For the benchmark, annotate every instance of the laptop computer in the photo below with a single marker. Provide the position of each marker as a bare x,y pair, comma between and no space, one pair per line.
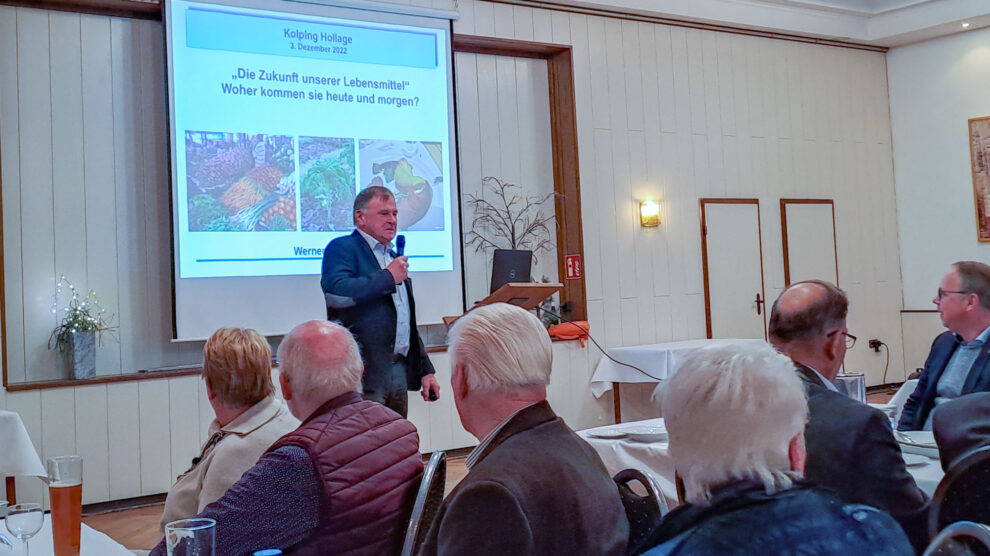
510,265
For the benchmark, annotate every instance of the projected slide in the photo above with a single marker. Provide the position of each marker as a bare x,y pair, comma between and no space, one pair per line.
281,119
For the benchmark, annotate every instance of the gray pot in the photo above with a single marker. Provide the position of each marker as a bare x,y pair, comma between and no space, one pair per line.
81,354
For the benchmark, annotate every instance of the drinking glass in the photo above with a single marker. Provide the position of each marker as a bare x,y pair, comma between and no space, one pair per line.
191,537
23,521
852,385
65,490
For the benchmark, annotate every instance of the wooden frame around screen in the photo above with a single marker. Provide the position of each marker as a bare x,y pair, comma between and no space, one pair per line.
704,257
564,145
783,234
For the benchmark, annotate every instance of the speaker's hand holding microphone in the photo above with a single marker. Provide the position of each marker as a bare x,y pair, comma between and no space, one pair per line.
399,267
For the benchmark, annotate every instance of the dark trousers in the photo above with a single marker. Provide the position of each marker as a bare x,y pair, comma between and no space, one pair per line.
390,390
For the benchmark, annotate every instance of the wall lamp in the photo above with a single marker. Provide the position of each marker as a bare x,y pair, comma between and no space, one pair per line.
649,214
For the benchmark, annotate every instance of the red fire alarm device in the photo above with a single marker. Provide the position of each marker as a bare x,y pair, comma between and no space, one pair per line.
572,266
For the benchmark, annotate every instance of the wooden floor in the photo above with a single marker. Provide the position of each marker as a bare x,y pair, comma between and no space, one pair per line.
138,528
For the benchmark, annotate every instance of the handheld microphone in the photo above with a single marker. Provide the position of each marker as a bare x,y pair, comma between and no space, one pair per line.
400,244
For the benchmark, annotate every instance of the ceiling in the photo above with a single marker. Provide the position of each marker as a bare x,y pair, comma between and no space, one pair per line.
886,23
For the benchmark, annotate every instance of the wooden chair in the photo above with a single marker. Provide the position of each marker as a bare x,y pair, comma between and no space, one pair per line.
642,511
427,503
963,494
961,538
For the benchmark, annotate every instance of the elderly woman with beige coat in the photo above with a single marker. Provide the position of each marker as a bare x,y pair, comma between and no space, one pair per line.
249,419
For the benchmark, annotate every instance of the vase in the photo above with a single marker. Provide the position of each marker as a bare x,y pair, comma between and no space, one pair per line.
81,354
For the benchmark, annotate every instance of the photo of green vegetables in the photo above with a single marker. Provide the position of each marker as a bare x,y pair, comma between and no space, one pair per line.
328,186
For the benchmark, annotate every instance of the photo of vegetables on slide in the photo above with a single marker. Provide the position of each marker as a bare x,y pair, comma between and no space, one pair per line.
328,187
240,182
412,170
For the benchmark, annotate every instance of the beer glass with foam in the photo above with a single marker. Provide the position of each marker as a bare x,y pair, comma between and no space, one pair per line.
65,490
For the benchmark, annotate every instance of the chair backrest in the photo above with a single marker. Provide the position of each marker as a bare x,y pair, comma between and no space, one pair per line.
963,494
961,538
643,512
427,503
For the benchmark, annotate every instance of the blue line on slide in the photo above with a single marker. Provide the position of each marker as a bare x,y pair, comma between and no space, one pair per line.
294,259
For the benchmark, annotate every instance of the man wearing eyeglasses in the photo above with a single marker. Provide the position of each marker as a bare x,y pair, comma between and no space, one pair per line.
851,447
959,361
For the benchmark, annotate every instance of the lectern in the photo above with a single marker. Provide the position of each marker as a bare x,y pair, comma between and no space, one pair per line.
527,295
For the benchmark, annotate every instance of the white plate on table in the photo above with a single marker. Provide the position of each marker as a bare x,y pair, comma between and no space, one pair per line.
647,434
917,442
607,434
915,460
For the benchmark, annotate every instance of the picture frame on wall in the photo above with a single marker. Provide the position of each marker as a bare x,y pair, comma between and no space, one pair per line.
979,152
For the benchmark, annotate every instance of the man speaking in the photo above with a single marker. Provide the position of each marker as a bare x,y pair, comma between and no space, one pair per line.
367,289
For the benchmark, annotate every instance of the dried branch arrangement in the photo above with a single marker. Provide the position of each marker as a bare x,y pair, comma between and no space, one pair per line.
510,220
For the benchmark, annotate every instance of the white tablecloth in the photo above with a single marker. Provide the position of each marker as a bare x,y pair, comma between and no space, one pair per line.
659,360
91,542
18,456
895,406
646,456
623,453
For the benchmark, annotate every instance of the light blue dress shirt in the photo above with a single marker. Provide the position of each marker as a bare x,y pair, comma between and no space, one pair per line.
383,254
950,384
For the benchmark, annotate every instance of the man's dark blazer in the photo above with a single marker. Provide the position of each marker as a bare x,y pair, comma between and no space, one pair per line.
922,400
536,489
961,426
852,451
358,293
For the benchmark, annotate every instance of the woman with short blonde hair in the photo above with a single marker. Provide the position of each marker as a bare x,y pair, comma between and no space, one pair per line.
237,370
237,366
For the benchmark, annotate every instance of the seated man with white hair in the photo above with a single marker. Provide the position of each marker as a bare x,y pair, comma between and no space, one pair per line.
533,486
341,483
736,417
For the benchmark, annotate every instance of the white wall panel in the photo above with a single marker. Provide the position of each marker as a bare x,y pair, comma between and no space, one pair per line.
184,422
93,441
98,176
69,195
58,433
920,330
36,166
10,173
124,433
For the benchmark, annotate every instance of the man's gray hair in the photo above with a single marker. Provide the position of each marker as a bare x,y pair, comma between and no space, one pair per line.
731,412
369,193
501,347
321,360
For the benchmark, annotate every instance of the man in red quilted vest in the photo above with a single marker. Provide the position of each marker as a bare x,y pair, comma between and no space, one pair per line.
343,482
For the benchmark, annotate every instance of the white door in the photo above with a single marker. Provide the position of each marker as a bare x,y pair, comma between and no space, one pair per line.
733,268
808,231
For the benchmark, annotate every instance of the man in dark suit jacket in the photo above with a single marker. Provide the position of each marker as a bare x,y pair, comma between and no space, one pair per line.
533,486
851,447
959,361
367,289
961,426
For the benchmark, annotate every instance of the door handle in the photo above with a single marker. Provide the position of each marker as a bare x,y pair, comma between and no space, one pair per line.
759,304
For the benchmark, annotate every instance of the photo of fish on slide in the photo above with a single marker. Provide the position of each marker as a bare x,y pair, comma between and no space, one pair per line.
413,171
240,182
